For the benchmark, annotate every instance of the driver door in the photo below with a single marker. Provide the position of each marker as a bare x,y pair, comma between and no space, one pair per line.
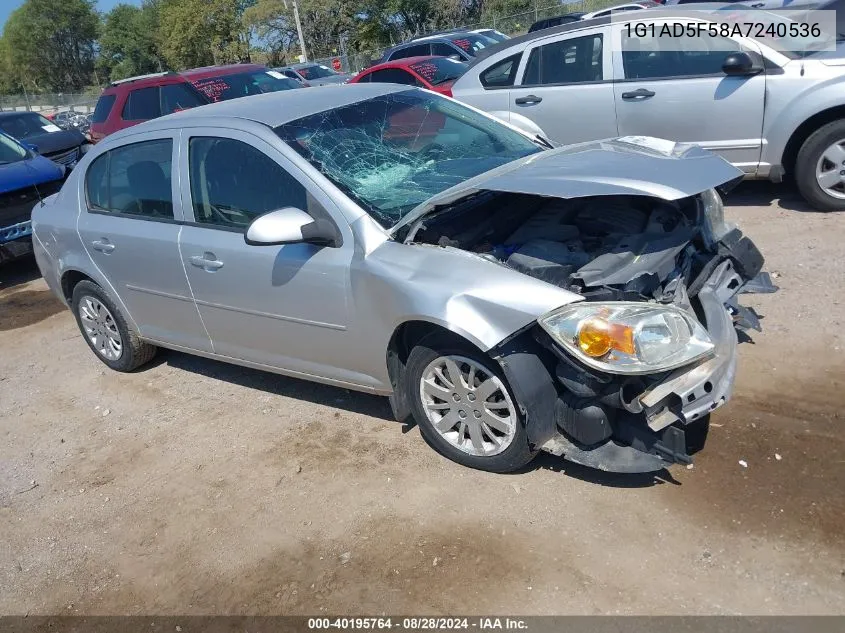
276,306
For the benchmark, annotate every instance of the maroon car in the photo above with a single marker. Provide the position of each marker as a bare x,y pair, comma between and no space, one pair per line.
131,101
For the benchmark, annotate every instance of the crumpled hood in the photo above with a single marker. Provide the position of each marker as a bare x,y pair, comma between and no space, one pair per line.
633,165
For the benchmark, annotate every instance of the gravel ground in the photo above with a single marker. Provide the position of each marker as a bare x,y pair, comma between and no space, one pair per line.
195,487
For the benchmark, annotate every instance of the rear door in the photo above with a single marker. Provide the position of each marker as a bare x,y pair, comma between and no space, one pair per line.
566,86
674,88
129,225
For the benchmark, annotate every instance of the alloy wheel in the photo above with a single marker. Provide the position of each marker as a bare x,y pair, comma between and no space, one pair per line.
830,170
100,328
468,405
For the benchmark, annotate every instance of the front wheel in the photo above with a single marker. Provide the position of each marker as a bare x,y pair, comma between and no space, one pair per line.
820,167
465,409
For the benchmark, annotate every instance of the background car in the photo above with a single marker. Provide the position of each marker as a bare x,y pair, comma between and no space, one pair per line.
547,23
770,112
621,8
48,139
365,236
131,101
25,176
309,74
433,73
459,45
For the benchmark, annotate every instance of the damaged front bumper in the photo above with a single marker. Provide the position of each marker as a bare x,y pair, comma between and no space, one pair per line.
635,424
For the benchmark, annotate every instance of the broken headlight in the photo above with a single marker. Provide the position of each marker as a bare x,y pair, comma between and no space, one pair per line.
628,338
714,215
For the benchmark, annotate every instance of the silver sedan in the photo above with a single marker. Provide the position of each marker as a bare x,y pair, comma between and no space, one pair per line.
507,296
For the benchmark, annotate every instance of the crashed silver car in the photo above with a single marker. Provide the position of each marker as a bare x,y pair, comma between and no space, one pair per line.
508,296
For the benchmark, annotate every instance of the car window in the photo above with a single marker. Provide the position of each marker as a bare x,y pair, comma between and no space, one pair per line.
393,76
501,73
439,70
236,85
442,49
10,150
103,108
654,57
471,43
142,105
176,97
411,51
573,60
392,152
232,183
133,179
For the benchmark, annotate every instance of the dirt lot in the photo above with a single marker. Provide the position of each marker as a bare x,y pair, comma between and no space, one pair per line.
197,487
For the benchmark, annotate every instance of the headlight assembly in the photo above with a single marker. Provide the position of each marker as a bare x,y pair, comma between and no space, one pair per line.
714,215
628,338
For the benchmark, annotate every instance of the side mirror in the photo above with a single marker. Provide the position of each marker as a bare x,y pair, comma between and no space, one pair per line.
31,147
289,226
742,63
456,57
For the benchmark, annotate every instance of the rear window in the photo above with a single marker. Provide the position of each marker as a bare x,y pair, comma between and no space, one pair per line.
470,43
439,70
142,105
103,108
238,85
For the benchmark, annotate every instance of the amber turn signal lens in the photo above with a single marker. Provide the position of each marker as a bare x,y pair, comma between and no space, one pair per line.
596,337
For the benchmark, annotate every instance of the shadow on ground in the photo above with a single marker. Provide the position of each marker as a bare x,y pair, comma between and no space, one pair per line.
17,272
753,193
316,393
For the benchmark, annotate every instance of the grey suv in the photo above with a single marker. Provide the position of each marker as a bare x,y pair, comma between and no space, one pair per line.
768,112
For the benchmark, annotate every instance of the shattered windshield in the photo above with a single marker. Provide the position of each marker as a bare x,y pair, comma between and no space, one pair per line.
393,152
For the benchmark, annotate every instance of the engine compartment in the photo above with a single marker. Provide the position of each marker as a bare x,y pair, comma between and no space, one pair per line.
619,248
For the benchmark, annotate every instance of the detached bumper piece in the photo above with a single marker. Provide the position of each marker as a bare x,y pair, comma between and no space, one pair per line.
15,241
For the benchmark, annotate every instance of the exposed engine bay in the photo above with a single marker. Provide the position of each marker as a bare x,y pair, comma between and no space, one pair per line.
611,249
604,248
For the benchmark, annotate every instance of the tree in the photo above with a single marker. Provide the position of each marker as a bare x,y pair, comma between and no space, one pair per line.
203,32
128,45
51,43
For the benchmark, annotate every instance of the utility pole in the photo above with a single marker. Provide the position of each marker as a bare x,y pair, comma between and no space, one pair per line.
298,29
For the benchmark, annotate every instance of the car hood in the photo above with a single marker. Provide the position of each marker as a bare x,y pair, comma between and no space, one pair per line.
50,142
25,173
633,165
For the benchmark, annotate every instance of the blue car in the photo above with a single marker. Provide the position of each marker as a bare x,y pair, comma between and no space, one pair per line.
25,177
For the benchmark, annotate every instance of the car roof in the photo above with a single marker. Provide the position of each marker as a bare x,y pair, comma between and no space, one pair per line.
272,108
649,14
8,115
168,77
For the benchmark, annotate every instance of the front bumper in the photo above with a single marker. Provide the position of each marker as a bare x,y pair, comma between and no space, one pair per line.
634,424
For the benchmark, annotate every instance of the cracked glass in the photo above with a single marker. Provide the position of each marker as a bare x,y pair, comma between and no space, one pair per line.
395,151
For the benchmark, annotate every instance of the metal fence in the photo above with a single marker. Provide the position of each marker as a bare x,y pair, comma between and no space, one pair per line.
49,103
512,25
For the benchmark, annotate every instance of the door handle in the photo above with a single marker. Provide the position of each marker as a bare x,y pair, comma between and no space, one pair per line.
640,94
528,99
103,245
207,261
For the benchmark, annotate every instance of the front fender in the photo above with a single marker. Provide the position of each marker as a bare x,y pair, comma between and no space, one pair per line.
799,108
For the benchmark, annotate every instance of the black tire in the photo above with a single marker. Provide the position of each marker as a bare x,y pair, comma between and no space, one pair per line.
135,352
515,456
805,166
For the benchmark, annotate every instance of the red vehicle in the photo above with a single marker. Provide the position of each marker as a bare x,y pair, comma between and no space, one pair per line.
433,73
131,101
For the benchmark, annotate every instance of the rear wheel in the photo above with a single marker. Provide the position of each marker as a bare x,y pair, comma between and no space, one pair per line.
106,331
464,408
820,167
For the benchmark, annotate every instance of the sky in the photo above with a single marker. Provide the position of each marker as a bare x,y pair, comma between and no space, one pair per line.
7,6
